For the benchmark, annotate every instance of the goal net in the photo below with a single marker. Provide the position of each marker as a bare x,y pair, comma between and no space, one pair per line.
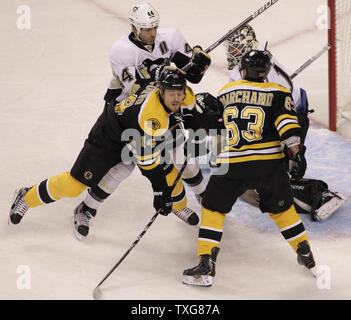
339,35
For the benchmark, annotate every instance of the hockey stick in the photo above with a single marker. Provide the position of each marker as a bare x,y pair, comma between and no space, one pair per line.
309,61
97,294
230,32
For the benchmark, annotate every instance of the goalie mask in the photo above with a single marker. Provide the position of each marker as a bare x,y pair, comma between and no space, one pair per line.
143,15
241,42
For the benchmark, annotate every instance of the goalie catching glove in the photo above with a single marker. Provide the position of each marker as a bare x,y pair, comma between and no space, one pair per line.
163,201
297,162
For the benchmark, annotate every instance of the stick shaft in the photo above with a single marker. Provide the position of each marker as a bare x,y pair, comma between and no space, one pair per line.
145,229
309,61
230,32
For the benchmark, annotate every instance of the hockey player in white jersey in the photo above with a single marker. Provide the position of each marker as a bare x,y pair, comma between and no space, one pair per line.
310,196
136,60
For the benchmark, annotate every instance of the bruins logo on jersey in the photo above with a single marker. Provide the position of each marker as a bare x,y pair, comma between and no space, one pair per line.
153,124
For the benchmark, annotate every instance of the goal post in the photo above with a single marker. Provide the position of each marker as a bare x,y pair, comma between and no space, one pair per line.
339,60
332,66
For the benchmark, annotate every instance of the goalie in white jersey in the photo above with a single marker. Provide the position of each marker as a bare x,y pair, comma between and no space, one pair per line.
136,60
310,196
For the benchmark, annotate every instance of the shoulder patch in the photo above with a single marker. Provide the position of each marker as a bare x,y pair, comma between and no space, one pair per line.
153,124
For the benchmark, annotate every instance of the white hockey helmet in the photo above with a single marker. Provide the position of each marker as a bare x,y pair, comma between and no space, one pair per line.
143,15
239,43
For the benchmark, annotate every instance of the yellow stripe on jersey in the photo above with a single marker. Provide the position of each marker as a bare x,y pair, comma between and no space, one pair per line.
250,158
284,116
147,157
288,127
152,165
259,151
285,122
254,146
262,85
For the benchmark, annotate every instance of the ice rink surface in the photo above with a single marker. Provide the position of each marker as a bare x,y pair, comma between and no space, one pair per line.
52,81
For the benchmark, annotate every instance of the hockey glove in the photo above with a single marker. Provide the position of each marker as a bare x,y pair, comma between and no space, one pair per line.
297,163
163,201
200,59
207,103
210,110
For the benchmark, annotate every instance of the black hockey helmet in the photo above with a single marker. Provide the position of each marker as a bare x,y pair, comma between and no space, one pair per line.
172,78
257,64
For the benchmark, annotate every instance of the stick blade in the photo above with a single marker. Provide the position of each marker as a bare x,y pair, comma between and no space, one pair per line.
97,293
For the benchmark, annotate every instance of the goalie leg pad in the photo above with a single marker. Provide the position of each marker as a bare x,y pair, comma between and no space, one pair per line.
334,200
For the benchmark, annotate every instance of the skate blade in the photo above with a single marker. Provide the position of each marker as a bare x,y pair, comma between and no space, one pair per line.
76,233
313,272
201,281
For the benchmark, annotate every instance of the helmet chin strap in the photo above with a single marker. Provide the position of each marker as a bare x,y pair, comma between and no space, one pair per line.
136,33
136,36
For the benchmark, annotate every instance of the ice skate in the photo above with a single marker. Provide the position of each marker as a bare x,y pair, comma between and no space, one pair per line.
19,207
202,274
187,215
305,256
80,220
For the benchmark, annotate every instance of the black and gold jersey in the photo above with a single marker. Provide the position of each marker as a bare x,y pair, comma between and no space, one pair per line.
257,117
146,126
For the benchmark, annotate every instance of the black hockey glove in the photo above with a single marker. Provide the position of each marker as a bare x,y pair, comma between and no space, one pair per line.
297,163
163,201
210,111
209,104
200,59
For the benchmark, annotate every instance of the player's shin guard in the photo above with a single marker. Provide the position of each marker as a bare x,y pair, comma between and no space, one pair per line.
210,232
179,199
294,232
193,177
108,184
54,188
290,226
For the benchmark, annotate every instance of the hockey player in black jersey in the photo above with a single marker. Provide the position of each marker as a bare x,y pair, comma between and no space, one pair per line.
136,60
257,116
311,196
136,129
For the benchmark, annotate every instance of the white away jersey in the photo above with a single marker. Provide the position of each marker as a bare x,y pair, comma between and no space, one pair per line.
277,74
130,62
